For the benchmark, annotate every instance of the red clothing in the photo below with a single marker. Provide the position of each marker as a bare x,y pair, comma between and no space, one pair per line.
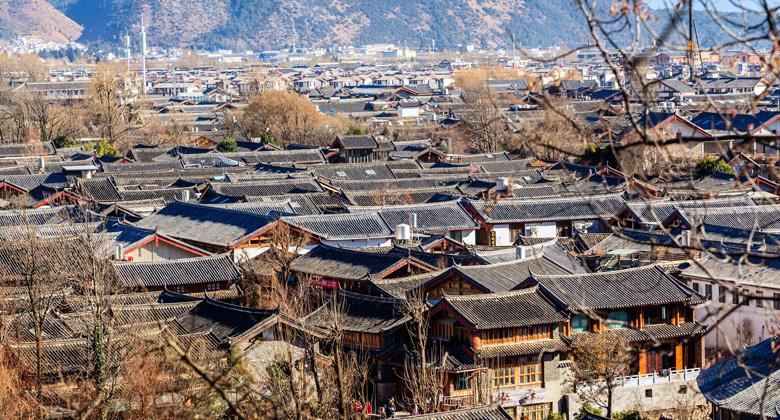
368,408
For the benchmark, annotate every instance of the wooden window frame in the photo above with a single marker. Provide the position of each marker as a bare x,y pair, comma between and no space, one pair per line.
500,336
527,371
503,374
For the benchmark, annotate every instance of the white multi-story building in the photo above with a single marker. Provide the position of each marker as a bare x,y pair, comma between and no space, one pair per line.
743,299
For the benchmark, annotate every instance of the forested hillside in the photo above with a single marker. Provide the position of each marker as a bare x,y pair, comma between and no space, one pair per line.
258,24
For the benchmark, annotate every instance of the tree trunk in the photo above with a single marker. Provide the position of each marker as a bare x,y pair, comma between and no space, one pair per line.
313,367
340,379
99,366
609,401
38,360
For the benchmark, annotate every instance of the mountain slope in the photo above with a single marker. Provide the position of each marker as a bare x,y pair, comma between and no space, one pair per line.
36,18
269,23
255,24
171,22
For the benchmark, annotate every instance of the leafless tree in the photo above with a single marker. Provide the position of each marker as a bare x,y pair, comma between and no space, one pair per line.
600,363
423,378
40,266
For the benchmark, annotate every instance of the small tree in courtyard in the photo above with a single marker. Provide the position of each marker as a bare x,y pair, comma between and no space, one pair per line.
600,362
227,145
709,165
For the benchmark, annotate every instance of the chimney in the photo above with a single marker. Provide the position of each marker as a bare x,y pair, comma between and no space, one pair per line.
185,196
41,164
501,184
413,220
119,253
685,237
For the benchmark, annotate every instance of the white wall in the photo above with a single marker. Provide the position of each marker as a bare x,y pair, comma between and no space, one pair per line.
470,237
545,230
245,254
159,252
502,235
665,396
733,330
408,112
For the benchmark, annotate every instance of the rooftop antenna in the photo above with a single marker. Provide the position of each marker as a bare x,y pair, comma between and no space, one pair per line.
143,27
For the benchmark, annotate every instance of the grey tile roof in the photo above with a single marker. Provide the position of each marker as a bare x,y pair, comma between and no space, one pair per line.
206,224
261,188
46,216
747,383
140,167
224,321
431,217
518,308
29,182
185,271
506,276
752,271
353,172
574,208
127,236
523,349
651,332
648,285
765,218
262,208
162,195
368,314
727,83
406,184
100,189
716,236
444,356
342,263
24,149
358,142
656,211
304,204
300,156
413,197
401,287
639,241
487,157
490,412
343,226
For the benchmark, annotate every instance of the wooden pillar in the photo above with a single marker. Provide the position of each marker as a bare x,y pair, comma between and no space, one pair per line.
678,357
699,357
642,361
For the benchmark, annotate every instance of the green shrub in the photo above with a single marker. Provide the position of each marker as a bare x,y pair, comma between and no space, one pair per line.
585,409
265,138
709,165
103,147
627,415
227,145
62,142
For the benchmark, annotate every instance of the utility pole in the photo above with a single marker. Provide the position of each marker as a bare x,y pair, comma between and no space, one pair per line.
690,38
175,86
127,52
143,52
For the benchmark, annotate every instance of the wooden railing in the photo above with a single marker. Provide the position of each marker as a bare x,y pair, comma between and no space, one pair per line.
458,401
